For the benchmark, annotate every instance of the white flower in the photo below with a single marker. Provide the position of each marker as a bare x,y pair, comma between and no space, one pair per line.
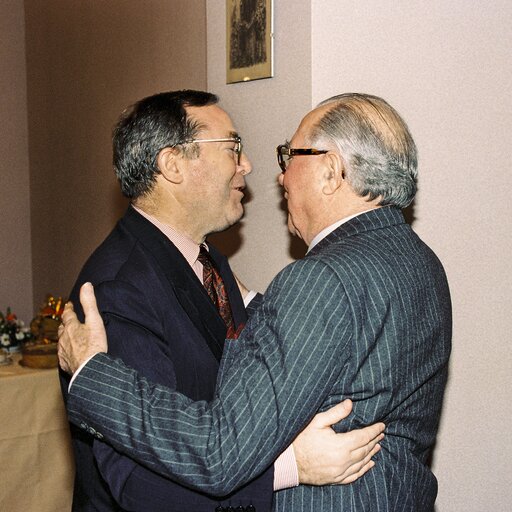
20,336
5,339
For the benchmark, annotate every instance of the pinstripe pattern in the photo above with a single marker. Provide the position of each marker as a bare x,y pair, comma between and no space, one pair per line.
366,315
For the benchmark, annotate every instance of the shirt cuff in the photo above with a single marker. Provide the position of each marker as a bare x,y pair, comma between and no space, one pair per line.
78,370
286,473
249,297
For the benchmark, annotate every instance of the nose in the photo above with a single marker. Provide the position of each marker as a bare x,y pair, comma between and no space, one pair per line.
245,166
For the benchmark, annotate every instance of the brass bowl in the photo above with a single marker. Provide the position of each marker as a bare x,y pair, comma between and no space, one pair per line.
41,355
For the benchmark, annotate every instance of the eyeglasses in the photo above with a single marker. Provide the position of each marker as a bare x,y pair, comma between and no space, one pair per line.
285,153
237,150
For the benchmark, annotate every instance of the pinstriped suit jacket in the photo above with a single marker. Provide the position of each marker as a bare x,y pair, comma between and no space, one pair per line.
365,315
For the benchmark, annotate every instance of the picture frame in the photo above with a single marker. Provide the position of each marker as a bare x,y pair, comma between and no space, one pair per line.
249,40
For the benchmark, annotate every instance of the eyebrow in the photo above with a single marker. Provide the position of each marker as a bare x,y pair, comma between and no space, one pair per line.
233,134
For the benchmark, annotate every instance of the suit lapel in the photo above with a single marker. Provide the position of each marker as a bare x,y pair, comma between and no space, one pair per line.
190,293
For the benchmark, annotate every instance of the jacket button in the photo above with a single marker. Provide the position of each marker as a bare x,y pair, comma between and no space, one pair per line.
220,509
250,508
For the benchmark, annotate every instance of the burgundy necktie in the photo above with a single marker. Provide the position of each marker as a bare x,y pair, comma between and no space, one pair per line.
216,289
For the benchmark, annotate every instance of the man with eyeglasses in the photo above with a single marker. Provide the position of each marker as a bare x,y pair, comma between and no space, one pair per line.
169,300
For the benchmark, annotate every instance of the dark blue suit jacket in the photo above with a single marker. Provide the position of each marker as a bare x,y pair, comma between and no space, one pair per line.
159,320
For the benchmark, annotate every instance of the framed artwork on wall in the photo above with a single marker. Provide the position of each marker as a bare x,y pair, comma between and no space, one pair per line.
249,40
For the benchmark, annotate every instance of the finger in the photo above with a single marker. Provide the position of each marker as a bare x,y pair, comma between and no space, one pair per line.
68,313
62,360
363,458
334,414
359,466
361,452
373,430
353,477
366,435
88,301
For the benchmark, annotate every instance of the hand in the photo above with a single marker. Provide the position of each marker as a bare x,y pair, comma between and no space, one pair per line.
77,341
243,290
324,457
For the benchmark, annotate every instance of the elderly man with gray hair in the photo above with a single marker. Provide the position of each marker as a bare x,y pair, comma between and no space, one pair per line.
365,315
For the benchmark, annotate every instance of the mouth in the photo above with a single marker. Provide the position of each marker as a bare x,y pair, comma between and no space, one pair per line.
240,189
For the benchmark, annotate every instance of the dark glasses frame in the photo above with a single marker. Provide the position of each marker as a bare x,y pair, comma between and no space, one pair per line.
284,153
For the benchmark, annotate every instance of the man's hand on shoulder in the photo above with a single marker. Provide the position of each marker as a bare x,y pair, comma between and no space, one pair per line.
79,342
325,457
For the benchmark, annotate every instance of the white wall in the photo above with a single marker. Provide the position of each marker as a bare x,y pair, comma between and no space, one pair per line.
266,112
446,66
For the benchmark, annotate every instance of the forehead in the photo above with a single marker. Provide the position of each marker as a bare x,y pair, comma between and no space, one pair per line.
303,132
213,120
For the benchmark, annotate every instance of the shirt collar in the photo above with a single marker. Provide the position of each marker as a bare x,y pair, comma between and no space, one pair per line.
329,229
187,247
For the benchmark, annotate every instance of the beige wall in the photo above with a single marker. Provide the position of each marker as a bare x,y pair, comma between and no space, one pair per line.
15,244
86,61
266,112
446,67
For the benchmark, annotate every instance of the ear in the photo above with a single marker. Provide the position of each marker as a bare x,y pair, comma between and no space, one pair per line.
334,173
168,162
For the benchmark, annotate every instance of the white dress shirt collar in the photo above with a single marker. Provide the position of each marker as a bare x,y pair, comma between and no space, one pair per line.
329,229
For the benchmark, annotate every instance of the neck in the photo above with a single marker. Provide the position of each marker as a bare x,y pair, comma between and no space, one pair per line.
174,217
346,209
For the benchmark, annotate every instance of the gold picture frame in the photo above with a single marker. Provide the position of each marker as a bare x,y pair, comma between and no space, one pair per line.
249,40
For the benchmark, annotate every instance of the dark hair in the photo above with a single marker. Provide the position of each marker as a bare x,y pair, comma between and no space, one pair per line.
378,150
148,126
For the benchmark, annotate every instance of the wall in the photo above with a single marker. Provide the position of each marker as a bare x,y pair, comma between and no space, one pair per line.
446,67
15,244
86,61
266,113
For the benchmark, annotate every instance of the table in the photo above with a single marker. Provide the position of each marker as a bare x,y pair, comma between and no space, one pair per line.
36,462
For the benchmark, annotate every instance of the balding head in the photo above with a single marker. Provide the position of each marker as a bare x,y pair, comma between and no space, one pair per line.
377,148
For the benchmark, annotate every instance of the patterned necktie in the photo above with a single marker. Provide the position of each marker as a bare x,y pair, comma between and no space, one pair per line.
216,290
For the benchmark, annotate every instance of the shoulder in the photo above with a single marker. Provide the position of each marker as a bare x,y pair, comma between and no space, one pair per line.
312,276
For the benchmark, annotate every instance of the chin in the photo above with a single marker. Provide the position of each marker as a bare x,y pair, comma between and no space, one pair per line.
237,214
291,227
229,221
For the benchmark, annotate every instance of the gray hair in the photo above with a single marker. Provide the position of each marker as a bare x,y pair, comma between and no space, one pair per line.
377,148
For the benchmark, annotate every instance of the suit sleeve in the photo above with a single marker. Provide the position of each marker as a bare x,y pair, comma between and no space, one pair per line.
134,336
272,380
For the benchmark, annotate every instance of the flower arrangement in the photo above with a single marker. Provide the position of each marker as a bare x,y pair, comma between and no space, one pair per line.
12,331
